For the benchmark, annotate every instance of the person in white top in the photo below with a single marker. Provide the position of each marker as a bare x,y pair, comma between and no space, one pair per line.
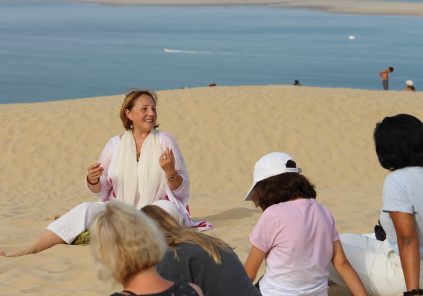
392,264
295,235
140,167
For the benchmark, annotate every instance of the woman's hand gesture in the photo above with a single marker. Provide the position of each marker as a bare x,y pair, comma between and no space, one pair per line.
95,171
167,163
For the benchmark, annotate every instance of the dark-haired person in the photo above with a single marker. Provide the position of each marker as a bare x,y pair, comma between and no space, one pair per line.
384,76
394,266
295,235
139,167
199,258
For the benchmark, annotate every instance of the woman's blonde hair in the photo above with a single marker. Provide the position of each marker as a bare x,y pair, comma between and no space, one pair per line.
124,242
175,234
129,102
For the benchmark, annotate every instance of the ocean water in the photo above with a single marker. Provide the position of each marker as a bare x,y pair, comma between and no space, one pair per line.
51,51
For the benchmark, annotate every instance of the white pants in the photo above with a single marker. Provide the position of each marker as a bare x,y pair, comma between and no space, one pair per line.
378,266
79,218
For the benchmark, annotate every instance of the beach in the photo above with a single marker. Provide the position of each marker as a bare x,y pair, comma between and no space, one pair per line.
221,131
334,6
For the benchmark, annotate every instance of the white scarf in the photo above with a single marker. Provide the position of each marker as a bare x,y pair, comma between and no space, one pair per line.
145,176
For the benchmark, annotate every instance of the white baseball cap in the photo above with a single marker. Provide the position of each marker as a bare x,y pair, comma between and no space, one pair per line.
409,82
270,165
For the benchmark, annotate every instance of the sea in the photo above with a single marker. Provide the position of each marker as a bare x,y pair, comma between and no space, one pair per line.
60,50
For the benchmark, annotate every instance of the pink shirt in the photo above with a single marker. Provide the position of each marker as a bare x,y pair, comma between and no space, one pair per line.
297,237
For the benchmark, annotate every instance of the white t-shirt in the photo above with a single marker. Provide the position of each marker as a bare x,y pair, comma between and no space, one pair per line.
403,192
297,237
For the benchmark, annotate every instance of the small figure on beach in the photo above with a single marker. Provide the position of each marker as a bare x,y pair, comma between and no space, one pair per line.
384,76
127,246
140,167
394,266
199,258
296,83
409,86
295,235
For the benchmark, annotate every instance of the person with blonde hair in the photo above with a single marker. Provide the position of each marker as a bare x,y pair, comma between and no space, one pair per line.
199,258
127,245
142,166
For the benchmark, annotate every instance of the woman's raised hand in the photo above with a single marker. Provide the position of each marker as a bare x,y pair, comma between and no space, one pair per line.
95,171
167,163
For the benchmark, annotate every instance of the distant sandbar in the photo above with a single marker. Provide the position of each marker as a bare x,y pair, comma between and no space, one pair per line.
370,7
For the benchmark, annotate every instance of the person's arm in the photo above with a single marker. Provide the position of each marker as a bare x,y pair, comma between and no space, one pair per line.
345,270
180,186
253,262
409,248
167,163
97,172
94,172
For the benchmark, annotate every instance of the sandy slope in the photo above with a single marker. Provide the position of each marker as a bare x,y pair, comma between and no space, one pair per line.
222,131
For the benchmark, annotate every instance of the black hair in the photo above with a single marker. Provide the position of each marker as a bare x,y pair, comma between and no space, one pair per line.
282,188
399,142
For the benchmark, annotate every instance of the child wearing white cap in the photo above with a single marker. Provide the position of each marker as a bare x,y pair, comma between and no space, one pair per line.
295,235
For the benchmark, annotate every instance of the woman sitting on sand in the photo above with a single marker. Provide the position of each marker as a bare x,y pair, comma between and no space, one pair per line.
394,266
295,235
140,167
126,246
204,260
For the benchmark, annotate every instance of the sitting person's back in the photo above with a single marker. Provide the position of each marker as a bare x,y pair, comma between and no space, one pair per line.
201,259
127,245
296,236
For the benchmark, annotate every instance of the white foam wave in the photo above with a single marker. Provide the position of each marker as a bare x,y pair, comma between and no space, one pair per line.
171,50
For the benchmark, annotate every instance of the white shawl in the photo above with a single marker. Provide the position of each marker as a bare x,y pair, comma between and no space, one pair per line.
139,183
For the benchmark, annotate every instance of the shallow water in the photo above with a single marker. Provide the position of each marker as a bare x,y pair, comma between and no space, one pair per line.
71,50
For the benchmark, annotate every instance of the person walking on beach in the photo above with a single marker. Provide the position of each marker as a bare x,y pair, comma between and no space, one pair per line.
296,236
384,76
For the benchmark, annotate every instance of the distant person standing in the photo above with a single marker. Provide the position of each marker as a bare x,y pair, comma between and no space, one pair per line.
297,83
384,75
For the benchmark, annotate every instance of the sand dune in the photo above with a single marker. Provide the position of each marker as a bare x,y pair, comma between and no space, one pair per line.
222,131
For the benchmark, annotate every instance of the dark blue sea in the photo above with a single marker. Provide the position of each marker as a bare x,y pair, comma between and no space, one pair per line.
51,51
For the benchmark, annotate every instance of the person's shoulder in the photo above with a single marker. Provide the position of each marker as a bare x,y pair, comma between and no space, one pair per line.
113,140
397,175
190,248
324,208
404,175
276,212
165,135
